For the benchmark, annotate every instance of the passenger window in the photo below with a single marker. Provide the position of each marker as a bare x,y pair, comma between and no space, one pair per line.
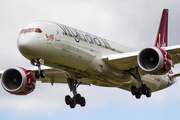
30,30
38,30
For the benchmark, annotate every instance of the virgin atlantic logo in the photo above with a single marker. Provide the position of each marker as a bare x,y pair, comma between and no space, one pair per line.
50,37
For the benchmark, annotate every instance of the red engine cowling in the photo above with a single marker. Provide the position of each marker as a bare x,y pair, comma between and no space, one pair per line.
18,81
154,60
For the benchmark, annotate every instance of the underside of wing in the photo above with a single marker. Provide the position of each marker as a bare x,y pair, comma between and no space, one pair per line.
52,75
122,61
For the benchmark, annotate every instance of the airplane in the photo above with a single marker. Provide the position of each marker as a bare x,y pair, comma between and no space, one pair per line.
78,58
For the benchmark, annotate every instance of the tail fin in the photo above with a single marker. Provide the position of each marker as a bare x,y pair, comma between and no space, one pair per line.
161,39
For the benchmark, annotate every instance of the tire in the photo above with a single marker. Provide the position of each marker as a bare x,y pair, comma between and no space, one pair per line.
144,89
138,95
148,94
83,102
78,98
37,74
134,90
67,99
42,73
72,104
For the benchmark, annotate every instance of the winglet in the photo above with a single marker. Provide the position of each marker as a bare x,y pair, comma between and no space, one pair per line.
161,39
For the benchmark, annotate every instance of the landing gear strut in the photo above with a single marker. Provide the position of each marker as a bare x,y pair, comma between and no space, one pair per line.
39,73
77,98
143,89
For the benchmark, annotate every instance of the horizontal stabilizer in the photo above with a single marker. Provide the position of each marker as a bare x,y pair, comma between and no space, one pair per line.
174,75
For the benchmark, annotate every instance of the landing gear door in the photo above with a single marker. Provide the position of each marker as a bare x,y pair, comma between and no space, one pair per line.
56,33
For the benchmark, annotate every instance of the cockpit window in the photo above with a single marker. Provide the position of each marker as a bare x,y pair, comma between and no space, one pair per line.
30,30
37,30
22,31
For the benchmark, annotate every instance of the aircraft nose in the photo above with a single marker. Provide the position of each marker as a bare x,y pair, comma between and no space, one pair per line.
25,44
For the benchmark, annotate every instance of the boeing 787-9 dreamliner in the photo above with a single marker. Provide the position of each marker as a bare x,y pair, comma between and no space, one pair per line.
75,57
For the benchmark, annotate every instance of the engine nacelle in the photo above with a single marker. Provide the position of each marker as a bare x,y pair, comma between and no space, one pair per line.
18,81
154,60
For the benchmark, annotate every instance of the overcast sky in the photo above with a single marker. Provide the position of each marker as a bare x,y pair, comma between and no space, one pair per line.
132,23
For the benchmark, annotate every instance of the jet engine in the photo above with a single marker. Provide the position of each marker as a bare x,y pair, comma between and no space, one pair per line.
154,60
18,81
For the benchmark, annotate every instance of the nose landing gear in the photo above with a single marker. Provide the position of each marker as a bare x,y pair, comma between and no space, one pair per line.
39,73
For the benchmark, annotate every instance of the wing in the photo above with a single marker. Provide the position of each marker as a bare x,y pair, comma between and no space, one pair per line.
1,72
126,61
122,61
52,75
174,52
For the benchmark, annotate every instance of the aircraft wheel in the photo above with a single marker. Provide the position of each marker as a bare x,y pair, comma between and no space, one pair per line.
144,89
148,94
42,73
83,102
37,74
72,104
78,98
67,99
138,95
134,90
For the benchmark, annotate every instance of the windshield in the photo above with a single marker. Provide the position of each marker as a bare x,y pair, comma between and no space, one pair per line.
30,30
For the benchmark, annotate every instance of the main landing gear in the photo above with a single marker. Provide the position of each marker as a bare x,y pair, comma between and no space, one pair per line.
143,89
77,98
39,73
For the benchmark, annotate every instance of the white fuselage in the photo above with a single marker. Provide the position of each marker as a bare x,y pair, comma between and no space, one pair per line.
80,54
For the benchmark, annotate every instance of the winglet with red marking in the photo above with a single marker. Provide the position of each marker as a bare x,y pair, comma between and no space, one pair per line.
161,39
